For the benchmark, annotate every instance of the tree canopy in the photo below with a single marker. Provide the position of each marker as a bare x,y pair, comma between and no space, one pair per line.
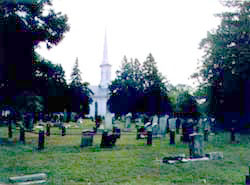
139,88
36,17
225,66
79,93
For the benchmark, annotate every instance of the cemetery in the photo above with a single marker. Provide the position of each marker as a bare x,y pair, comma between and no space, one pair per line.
82,156
138,128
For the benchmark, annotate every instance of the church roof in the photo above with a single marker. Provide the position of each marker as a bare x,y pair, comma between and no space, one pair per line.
99,91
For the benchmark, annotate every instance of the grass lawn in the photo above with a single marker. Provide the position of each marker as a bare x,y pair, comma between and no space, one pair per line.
131,161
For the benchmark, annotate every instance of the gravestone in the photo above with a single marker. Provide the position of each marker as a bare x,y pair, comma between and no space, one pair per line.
108,140
248,177
155,127
232,135
196,145
47,129
172,129
149,138
10,128
214,155
140,129
39,178
22,135
63,130
205,127
41,140
108,121
87,138
128,122
116,131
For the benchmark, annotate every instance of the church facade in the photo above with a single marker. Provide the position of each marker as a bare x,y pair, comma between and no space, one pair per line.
101,92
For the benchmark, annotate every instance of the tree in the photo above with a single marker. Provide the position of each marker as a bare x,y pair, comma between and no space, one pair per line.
187,105
23,25
79,93
175,91
50,83
138,89
225,66
31,16
126,89
155,90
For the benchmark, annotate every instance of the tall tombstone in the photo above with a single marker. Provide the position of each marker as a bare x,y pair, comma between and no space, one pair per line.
22,135
248,178
41,140
10,128
196,145
108,121
155,126
163,125
128,120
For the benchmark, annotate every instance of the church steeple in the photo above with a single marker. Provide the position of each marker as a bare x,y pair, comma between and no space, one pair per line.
105,66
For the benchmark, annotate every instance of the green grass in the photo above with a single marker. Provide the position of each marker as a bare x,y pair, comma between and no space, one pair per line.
130,162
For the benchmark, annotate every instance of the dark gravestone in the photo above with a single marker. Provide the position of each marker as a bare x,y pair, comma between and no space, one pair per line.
87,138
178,124
232,135
172,137
63,130
22,135
149,138
248,178
48,130
41,140
108,141
10,128
117,132
205,135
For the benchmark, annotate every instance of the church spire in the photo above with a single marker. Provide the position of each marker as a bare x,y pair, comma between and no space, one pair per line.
105,66
105,50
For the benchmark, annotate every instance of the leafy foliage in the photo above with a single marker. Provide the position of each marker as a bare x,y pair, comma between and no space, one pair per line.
36,17
138,89
225,66
79,93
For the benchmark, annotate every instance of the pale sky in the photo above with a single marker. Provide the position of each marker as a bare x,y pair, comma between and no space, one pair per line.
169,29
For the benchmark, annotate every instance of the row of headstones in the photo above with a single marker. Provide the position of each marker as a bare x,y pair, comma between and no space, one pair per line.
108,139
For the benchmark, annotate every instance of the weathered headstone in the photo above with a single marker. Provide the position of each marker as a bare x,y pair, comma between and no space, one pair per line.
63,130
149,138
39,178
140,129
108,122
22,135
196,145
10,128
108,140
178,125
117,131
248,177
128,121
205,126
172,129
87,138
215,155
41,140
232,135
155,128
47,129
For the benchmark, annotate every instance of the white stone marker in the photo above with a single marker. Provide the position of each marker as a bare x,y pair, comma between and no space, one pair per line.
108,121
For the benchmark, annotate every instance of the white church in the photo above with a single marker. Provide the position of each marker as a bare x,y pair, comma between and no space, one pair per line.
101,93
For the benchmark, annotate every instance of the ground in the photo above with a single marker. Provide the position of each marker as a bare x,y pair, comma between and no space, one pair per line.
130,162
